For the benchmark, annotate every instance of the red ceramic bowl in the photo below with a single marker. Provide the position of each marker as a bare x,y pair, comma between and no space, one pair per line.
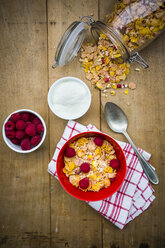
103,193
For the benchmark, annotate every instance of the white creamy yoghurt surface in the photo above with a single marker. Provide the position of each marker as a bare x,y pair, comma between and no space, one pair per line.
70,98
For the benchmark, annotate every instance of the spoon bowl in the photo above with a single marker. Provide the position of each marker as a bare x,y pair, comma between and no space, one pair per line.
115,118
118,122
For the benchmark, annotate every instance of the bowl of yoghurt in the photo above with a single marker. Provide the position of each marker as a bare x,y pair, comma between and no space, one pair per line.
69,98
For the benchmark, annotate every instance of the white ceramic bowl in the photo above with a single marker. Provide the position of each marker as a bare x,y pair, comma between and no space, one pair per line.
17,148
69,98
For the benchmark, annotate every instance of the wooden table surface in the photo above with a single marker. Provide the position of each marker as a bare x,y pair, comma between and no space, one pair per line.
35,211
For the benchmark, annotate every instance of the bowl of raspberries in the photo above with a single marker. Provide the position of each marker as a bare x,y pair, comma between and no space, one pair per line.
24,131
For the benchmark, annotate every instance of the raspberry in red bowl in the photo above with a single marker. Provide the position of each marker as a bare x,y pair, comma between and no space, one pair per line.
83,184
24,131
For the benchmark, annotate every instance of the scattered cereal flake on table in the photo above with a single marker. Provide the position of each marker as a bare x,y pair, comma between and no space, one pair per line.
126,92
137,69
112,92
132,86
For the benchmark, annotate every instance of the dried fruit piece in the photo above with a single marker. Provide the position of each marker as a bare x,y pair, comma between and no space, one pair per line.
132,86
126,92
112,92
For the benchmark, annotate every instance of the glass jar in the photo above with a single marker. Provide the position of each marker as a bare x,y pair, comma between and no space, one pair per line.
131,27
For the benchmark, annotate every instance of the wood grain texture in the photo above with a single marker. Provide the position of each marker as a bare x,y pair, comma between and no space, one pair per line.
145,109
35,211
24,183
71,219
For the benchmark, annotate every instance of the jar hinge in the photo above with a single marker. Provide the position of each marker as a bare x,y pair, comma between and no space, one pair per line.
137,58
87,19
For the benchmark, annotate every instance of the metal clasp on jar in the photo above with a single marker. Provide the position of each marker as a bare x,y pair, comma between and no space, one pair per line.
137,58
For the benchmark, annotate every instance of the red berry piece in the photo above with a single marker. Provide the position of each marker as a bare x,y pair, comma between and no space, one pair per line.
15,141
10,125
28,123
98,141
10,134
30,130
20,125
106,80
112,179
15,117
20,134
118,85
35,140
36,121
32,116
40,128
70,152
25,116
85,167
103,61
84,183
115,164
25,144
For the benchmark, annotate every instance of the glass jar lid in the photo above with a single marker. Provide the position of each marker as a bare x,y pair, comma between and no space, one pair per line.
74,36
70,43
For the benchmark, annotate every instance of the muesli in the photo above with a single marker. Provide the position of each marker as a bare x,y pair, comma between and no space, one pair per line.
91,163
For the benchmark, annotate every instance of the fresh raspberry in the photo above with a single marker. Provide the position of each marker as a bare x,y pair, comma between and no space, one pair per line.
28,123
118,85
10,125
70,152
36,121
85,167
25,116
115,164
20,125
15,117
84,183
10,134
30,130
35,140
40,128
98,141
15,141
106,80
20,134
32,116
25,144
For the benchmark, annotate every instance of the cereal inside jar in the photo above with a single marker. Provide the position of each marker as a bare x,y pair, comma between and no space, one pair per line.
91,163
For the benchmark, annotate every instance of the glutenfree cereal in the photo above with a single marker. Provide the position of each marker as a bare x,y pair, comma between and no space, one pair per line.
91,163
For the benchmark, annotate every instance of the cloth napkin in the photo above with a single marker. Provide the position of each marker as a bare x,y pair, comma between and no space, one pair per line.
134,196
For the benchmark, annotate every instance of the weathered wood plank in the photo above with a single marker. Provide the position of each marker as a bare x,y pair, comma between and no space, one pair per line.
145,110
24,185
73,223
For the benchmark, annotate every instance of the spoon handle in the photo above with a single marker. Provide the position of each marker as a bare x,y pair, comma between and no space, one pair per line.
149,171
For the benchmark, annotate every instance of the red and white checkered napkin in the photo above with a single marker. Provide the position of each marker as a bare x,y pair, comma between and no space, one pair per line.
134,196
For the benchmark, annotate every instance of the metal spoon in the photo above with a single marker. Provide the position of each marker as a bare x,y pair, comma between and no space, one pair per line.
118,122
